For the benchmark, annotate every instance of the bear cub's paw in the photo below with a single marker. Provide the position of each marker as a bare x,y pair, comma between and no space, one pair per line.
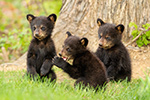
43,71
59,62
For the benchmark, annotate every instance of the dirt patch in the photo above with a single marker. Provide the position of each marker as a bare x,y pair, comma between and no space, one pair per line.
140,63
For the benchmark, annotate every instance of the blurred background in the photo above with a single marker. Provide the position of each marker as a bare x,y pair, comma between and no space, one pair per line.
15,33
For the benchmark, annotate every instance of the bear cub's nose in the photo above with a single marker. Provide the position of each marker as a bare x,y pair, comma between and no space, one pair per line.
37,35
60,54
100,44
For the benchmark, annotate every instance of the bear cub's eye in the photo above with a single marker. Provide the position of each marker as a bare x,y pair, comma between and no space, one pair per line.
68,49
43,28
100,35
34,28
108,38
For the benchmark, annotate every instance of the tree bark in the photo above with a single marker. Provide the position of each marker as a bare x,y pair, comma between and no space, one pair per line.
80,16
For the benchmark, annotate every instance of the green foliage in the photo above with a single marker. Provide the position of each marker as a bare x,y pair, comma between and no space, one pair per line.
144,39
16,40
14,87
15,34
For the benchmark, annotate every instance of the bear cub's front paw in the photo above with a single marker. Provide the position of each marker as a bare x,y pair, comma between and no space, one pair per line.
59,62
43,72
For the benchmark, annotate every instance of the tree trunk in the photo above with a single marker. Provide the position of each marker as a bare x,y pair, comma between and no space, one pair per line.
80,16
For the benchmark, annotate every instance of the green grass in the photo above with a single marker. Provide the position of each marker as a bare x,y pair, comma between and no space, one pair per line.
14,87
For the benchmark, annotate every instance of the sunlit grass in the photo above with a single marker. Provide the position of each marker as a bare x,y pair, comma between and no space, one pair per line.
14,87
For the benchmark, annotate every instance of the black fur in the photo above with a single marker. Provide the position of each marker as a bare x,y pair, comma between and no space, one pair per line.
113,53
42,48
86,67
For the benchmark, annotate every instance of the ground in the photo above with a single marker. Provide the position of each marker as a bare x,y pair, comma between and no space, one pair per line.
140,64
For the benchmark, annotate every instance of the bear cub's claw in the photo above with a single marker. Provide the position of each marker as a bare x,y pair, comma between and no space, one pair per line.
59,62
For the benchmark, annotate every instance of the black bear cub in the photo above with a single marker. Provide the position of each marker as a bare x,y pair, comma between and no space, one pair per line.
86,67
41,49
112,52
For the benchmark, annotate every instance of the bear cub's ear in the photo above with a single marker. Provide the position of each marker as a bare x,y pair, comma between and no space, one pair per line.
68,34
100,22
120,28
52,17
30,17
84,42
